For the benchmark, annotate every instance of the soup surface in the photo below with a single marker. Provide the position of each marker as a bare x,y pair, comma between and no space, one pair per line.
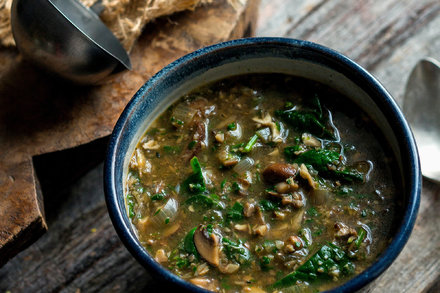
263,183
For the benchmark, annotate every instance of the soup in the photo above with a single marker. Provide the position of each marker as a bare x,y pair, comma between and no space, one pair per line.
263,183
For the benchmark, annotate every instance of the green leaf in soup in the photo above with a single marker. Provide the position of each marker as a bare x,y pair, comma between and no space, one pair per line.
268,205
188,243
195,183
235,213
348,175
305,122
319,159
290,151
249,146
235,250
328,261
205,201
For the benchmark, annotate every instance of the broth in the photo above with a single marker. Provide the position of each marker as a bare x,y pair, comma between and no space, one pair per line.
263,183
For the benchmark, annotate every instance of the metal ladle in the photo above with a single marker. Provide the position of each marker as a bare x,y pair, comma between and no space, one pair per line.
421,106
67,38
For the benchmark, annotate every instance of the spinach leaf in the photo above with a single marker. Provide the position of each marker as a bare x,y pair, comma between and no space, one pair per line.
268,205
205,201
265,263
235,213
236,251
347,174
188,243
305,122
319,159
329,260
158,196
195,183
289,151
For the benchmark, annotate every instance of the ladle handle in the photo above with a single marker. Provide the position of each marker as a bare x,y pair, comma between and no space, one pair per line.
97,7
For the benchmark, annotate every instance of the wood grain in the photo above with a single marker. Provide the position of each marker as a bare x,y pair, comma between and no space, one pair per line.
40,113
387,37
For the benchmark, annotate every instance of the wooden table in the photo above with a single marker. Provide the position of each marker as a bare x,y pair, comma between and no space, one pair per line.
81,251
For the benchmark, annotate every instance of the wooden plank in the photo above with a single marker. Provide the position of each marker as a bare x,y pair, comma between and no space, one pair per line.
40,113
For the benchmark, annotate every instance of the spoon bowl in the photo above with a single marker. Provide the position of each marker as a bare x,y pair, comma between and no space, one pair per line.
67,38
421,106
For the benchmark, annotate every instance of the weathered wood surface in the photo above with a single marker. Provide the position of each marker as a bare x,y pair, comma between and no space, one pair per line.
385,36
40,113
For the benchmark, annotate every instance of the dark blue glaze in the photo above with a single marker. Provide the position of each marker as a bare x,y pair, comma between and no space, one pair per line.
148,96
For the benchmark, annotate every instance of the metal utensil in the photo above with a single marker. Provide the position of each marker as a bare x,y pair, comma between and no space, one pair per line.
67,38
421,106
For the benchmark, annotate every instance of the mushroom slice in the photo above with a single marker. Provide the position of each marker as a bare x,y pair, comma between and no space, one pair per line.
304,173
206,283
207,245
279,172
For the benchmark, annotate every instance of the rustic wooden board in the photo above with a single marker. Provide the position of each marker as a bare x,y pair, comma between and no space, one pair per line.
385,36
40,113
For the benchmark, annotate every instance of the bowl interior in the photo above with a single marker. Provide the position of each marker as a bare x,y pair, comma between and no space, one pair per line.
270,56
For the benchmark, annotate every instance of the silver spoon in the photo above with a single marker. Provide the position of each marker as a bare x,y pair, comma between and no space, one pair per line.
421,106
67,38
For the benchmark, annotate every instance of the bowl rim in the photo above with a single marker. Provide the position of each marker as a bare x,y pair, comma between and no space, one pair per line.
408,143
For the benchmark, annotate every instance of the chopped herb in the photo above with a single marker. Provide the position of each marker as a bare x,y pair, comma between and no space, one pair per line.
192,144
130,205
265,261
268,205
167,220
222,185
250,144
312,212
361,236
330,259
235,187
182,263
364,213
288,105
158,196
269,246
232,126
176,122
158,211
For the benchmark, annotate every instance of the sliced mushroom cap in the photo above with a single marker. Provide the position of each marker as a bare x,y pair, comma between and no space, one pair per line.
207,245
279,172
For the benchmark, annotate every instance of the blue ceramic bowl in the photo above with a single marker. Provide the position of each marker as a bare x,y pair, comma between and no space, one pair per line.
262,55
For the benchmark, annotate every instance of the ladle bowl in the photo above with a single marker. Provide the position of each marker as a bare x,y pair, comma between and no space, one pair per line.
67,38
